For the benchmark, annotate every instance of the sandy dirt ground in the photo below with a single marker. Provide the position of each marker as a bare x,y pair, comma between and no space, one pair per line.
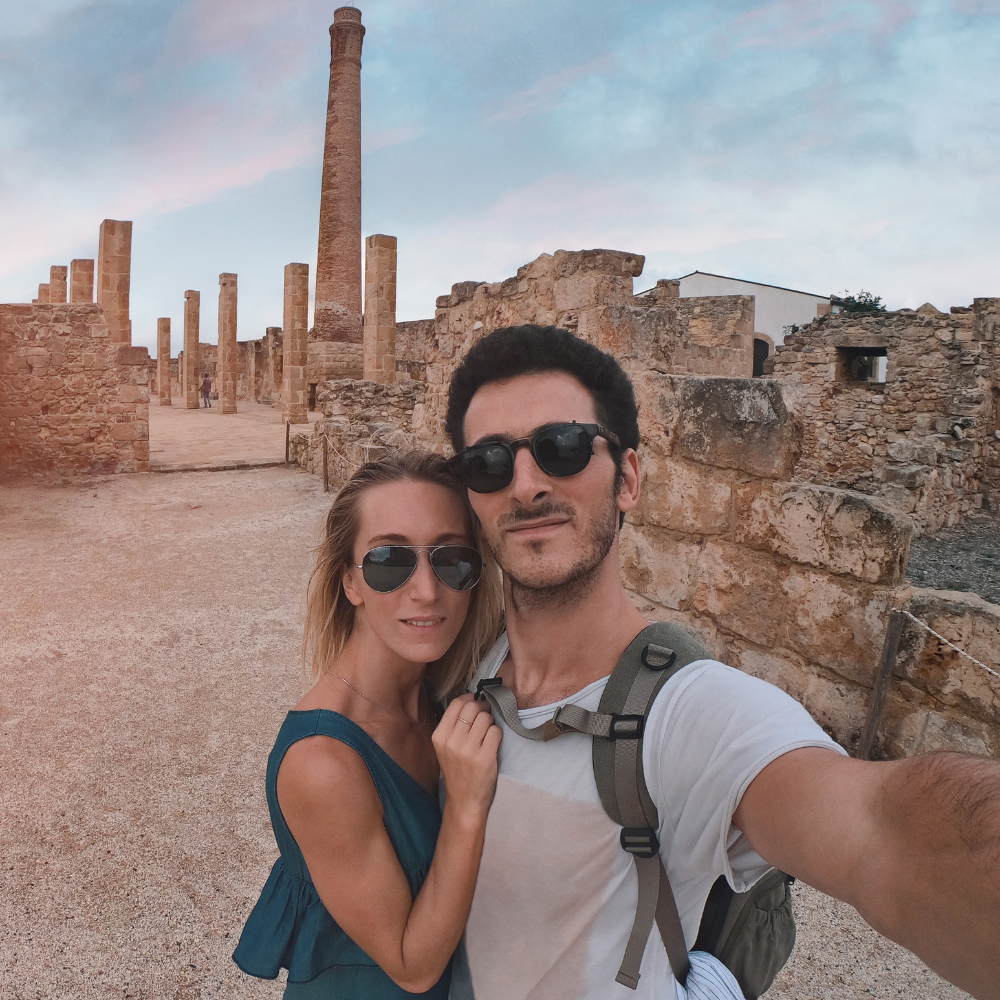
178,437
150,646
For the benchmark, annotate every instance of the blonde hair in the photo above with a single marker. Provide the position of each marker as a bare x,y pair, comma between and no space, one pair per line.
330,615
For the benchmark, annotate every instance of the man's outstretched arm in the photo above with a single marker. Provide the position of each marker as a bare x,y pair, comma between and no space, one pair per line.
913,845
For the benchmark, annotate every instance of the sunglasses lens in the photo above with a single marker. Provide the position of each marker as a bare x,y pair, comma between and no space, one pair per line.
457,566
387,567
563,450
485,468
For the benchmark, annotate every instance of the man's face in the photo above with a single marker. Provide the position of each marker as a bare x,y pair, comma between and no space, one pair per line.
545,531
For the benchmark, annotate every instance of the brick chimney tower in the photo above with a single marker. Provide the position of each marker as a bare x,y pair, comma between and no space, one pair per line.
335,342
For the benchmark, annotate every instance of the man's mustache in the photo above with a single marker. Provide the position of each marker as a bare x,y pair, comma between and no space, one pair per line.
549,508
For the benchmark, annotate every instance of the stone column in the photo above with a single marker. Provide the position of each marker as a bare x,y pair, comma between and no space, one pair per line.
274,375
190,381
227,363
57,283
380,308
114,268
337,319
294,344
81,281
43,293
163,360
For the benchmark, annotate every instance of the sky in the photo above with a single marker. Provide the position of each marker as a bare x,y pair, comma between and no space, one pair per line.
821,146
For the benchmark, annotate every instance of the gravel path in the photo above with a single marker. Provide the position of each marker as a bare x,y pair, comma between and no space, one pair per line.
965,557
150,627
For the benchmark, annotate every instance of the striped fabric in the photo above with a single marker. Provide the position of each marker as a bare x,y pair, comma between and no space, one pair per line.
708,979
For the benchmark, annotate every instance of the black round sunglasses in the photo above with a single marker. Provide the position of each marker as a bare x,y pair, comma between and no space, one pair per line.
558,450
387,567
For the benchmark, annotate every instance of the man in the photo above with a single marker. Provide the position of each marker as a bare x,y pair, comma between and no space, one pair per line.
741,775
206,391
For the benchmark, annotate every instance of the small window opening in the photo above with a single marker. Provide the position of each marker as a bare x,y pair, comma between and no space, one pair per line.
862,364
761,350
312,395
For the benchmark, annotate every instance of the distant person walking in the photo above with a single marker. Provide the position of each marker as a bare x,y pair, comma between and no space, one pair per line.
206,391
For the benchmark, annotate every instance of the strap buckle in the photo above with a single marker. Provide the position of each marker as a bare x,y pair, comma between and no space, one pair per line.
627,727
640,841
487,682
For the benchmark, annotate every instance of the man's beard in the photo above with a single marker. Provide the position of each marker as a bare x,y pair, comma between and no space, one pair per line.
572,585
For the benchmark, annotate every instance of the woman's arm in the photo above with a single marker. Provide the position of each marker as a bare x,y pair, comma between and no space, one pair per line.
333,810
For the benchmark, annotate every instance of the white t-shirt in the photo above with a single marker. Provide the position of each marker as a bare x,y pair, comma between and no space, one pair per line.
556,894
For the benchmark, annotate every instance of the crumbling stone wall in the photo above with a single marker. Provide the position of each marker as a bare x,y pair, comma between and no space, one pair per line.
740,536
413,338
937,697
788,580
362,420
923,440
70,398
590,293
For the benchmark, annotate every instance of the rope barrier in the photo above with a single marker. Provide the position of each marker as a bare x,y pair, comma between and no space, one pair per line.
947,642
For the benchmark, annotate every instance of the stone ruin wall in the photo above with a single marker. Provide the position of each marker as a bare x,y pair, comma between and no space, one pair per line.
785,578
588,292
70,399
792,581
924,441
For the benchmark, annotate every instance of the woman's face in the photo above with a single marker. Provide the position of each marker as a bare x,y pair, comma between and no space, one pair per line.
421,619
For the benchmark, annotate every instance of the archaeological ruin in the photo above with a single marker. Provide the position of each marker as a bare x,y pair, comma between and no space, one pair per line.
777,512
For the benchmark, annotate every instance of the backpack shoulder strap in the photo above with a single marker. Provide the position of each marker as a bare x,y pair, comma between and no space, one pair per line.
649,661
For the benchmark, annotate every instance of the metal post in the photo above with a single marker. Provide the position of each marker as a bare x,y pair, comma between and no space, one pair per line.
885,666
326,476
288,438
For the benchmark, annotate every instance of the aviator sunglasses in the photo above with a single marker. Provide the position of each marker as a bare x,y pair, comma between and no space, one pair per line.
387,567
558,450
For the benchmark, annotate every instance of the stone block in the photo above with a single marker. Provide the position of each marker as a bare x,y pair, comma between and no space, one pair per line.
832,621
738,424
127,431
659,411
971,624
132,356
836,530
658,566
684,496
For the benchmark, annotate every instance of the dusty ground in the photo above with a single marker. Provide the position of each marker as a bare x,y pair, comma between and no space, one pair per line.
181,438
965,557
150,631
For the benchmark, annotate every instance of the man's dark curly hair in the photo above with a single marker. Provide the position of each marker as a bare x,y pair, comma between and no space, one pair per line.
528,350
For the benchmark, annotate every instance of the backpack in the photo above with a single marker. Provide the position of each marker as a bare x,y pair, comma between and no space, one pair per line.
752,933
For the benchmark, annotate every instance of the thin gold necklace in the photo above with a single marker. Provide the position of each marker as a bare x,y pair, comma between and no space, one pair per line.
371,701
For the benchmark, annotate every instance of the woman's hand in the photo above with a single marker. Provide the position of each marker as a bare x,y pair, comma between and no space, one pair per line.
466,741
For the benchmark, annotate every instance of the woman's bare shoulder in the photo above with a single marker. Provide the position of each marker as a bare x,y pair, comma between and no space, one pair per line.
320,773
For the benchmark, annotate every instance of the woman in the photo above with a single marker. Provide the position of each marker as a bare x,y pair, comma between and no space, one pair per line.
361,903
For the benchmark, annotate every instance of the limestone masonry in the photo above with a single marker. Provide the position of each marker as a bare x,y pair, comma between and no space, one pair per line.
380,309
114,277
227,371
765,527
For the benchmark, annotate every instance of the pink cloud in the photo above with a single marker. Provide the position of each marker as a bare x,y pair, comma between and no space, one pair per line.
544,95
791,23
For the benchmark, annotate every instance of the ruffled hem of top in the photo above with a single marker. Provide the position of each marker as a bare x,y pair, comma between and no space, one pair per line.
290,928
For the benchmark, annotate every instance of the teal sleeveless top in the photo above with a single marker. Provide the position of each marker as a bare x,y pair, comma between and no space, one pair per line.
290,927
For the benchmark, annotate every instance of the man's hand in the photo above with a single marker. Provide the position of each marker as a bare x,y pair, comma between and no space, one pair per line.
913,845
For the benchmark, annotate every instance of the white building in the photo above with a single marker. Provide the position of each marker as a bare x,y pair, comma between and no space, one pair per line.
774,307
